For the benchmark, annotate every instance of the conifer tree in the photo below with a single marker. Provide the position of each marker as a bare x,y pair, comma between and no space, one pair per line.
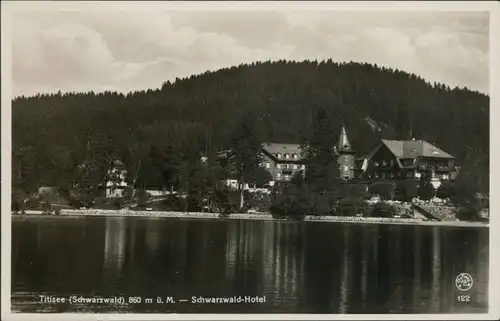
245,149
322,173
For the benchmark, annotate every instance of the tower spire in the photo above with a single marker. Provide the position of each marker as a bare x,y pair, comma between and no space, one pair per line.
344,143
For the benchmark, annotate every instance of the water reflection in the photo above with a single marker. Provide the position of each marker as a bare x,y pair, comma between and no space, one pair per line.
299,267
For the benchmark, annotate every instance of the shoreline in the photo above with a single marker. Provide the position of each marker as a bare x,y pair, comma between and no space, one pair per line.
251,216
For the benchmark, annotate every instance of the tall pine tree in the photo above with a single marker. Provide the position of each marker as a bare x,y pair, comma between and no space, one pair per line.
322,172
246,148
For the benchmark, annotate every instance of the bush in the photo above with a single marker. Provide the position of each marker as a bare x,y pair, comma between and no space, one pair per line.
226,200
468,213
118,203
291,206
173,203
128,194
18,197
354,191
447,190
406,190
261,201
352,208
426,191
386,190
142,198
383,210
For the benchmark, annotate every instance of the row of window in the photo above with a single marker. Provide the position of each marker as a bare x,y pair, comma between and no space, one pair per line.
407,175
285,166
434,163
287,156
383,163
408,162
290,166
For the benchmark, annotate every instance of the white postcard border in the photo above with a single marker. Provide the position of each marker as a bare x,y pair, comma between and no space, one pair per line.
6,74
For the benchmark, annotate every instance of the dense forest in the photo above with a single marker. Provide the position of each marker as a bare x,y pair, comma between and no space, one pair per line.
63,139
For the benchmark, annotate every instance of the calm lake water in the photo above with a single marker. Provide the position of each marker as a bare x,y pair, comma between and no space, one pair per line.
298,267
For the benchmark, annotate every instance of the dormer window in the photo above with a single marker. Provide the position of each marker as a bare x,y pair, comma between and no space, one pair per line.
294,156
287,156
278,155
278,166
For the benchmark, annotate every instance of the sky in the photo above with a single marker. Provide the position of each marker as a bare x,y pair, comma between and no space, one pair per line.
89,49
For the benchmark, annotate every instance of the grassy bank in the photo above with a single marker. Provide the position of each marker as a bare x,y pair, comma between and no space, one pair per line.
256,216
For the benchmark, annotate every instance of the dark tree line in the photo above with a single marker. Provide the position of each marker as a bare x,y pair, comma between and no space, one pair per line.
160,134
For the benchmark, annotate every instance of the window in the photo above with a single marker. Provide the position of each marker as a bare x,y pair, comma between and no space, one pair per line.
346,168
278,155
294,156
391,163
287,156
278,175
375,163
294,166
268,165
278,166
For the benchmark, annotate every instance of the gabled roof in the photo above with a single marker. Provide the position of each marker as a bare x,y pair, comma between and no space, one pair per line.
411,149
272,149
279,148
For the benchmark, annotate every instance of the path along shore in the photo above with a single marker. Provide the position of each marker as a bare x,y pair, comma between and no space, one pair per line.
252,216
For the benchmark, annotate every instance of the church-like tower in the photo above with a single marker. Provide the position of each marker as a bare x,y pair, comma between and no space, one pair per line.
346,156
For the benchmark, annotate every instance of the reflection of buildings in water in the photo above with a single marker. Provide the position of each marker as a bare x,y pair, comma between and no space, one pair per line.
281,258
245,253
436,269
131,243
114,243
417,272
397,298
344,282
481,277
240,246
232,248
291,259
269,250
269,246
364,267
152,235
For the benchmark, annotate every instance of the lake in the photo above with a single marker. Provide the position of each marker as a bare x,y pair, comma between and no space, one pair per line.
290,267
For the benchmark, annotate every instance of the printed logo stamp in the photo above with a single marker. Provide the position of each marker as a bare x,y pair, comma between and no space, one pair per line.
464,282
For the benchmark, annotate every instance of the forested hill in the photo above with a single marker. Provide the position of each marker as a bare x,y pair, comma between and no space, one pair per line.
52,134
